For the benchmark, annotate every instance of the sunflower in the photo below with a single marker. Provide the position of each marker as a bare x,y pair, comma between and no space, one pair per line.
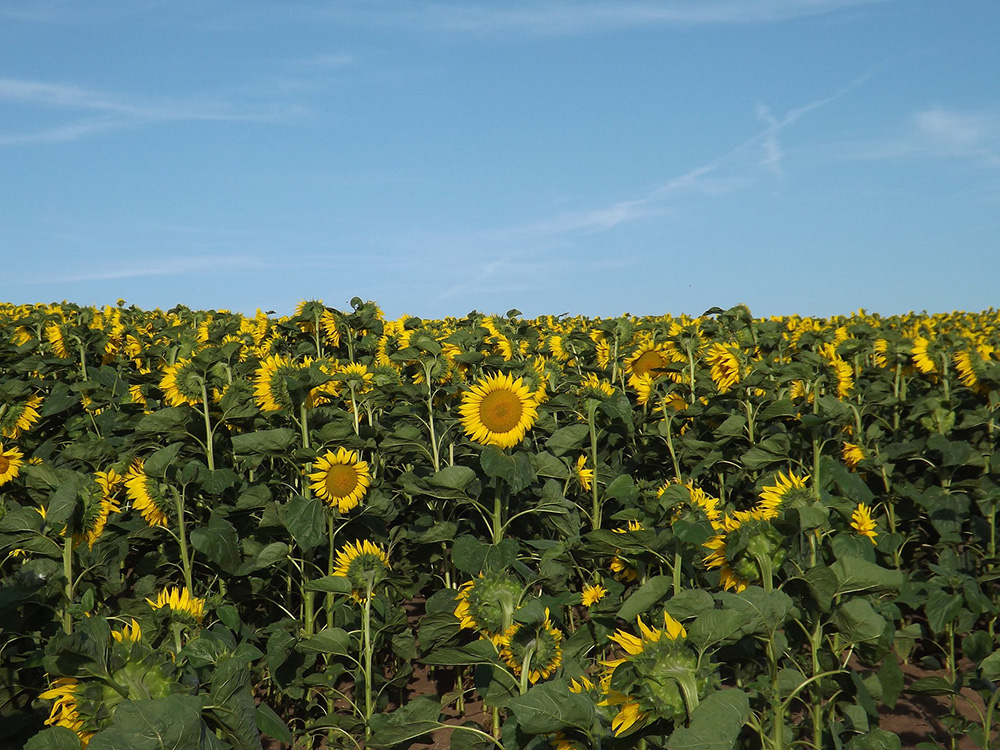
536,647
65,694
863,523
11,461
180,600
146,495
662,677
620,567
270,389
725,364
57,341
181,383
341,479
852,455
365,565
592,386
487,604
788,490
357,377
498,410
20,417
584,476
129,632
759,548
98,503
593,594
651,359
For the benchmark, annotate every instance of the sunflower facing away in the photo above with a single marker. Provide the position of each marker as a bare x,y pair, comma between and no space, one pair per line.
64,713
487,604
760,549
181,384
788,490
11,461
498,410
99,501
365,565
146,494
536,647
341,479
662,680
16,419
180,600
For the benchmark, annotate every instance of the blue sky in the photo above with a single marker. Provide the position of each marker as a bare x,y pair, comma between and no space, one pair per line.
594,157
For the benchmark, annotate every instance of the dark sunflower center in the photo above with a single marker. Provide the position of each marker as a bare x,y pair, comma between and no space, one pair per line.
648,362
341,479
500,411
4,464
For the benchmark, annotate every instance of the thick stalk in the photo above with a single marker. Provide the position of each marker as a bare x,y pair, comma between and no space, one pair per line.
182,540
68,573
595,515
497,515
367,646
436,457
331,534
209,438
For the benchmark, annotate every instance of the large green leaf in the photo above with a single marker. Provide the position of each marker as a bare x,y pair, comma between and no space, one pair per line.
171,723
305,520
645,597
551,706
715,723
415,719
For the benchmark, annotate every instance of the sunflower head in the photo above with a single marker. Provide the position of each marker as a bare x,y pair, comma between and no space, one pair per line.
658,677
340,478
536,647
19,417
148,496
364,565
746,548
788,491
11,461
863,523
180,601
182,383
498,410
487,604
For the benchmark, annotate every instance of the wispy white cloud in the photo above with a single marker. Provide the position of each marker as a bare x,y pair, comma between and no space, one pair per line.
558,17
139,268
940,132
115,111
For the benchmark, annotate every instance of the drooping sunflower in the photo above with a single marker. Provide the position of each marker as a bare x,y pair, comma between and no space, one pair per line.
852,455
57,340
760,550
341,479
64,693
863,523
498,410
19,417
270,389
11,461
129,632
584,476
180,600
182,383
662,679
537,647
651,359
146,494
487,604
365,565
622,569
99,501
788,490
724,362
592,386
922,355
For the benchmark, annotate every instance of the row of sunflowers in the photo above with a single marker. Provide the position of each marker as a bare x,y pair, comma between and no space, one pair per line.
662,532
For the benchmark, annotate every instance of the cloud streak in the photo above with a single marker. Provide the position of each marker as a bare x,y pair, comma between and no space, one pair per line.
114,111
563,18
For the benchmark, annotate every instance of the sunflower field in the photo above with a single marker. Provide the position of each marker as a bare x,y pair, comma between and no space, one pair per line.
222,531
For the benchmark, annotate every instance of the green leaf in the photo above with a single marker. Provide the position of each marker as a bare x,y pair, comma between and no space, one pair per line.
647,595
990,667
278,440
551,706
717,626
171,723
823,585
54,738
477,652
567,439
515,470
932,686
415,719
854,575
473,556
271,724
232,702
328,641
330,585
941,609
877,739
305,521
890,677
453,477
715,723
858,621
219,542
157,464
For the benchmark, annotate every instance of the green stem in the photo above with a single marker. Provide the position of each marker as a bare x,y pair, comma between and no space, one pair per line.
182,539
68,573
497,515
367,646
436,457
209,440
595,515
330,566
